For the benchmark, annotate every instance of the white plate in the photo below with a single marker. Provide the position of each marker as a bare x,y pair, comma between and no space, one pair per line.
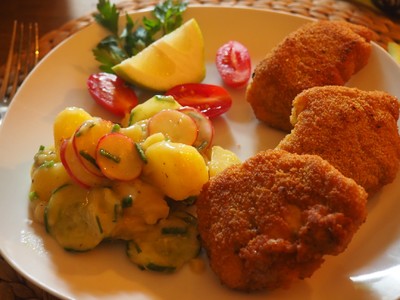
105,273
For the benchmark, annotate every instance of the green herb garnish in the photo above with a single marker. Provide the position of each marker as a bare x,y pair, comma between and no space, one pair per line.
110,156
99,224
89,158
127,201
166,17
47,164
116,128
141,152
33,196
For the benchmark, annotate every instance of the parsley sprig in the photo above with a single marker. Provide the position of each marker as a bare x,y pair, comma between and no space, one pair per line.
135,36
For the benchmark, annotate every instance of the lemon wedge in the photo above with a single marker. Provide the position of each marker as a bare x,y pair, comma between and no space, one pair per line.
221,159
176,58
394,51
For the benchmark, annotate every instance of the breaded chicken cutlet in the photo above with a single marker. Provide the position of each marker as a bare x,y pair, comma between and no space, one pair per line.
355,130
271,220
318,53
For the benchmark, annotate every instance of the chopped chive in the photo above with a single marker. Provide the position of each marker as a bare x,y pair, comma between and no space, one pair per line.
99,224
127,201
130,119
158,268
110,156
46,221
116,210
33,195
59,188
173,230
141,152
116,128
41,148
89,158
136,246
47,164
88,125
202,145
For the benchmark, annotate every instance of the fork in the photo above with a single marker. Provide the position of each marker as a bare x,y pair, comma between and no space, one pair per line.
23,55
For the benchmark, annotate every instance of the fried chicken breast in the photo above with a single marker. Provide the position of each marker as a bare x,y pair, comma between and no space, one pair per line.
318,53
271,220
355,130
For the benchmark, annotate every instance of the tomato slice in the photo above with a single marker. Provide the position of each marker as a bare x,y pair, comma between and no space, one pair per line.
211,100
233,64
112,93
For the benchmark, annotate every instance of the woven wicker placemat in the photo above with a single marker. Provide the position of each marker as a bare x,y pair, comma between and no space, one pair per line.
386,29
14,286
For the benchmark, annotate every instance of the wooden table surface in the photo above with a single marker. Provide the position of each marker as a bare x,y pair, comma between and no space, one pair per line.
50,14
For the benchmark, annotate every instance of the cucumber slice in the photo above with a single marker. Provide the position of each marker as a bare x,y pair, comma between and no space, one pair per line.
152,106
79,220
105,205
166,246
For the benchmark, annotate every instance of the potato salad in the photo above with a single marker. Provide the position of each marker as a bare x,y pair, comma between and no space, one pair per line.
134,181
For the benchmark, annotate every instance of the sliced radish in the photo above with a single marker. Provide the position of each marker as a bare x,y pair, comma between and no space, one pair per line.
175,125
118,158
205,127
75,169
85,142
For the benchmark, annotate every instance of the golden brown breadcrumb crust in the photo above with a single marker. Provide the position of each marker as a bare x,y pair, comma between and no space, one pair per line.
271,219
318,53
355,130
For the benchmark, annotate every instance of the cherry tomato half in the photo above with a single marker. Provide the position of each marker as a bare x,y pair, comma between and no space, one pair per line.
111,92
212,100
233,64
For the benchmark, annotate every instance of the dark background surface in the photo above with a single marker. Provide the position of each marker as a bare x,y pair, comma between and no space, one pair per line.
50,14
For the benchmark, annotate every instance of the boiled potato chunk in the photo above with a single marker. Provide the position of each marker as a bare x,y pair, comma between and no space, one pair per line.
47,178
66,123
177,169
44,157
136,132
152,139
